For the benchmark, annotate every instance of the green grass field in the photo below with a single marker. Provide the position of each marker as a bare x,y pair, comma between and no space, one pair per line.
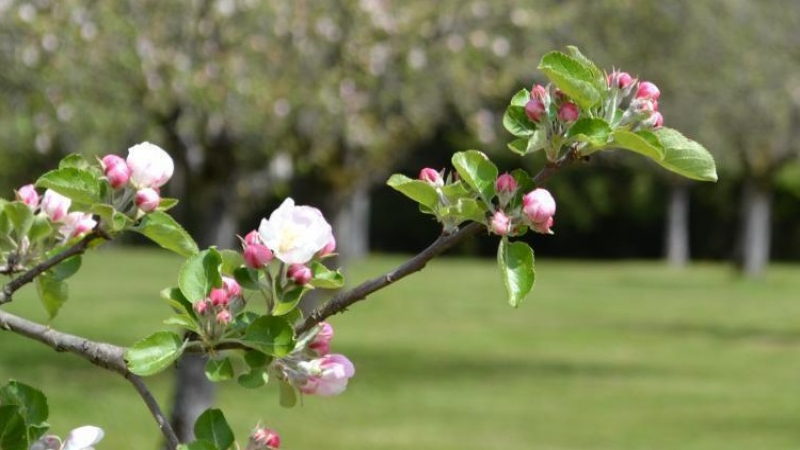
601,356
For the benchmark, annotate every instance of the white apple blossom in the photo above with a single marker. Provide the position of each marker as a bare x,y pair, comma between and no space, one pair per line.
55,205
327,376
77,224
151,166
83,438
295,233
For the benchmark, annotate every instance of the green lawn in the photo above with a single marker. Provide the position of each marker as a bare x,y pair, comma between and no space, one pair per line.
602,356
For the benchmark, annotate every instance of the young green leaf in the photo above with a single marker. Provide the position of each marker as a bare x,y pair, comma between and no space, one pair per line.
52,293
74,160
200,444
325,278
80,185
256,359
219,369
271,335
593,131
573,77
231,260
517,122
199,274
685,156
247,278
32,406
211,426
520,98
66,268
466,209
154,353
162,229
178,301
254,379
288,395
40,228
21,217
13,432
600,82
516,269
417,190
477,171
288,301
638,142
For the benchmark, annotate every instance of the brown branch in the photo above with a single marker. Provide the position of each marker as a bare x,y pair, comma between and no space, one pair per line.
101,354
27,277
343,300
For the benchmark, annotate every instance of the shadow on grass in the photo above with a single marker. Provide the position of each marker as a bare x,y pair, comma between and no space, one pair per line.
718,332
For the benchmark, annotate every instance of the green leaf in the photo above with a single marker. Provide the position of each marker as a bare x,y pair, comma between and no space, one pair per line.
572,76
182,321
199,274
641,144
198,445
13,432
247,278
593,131
178,301
21,217
288,301
231,260
154,353
111,217
74,160
516,269
477,171
52,293
517,122
524,181
466,209
211,426
32,406
162,229
685,156
66,268
600,81
455,191
40,228
254,379
219,369
271,335
288,395
256,359
520,98
167,203
80,185
325,278
419,191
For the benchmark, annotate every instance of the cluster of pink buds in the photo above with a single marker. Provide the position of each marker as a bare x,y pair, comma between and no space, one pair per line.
264,438
537,211
147,168
220,307
256,254
56,207
313,369
540,102
643,107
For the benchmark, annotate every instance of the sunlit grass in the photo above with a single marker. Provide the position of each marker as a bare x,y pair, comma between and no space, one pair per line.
601,356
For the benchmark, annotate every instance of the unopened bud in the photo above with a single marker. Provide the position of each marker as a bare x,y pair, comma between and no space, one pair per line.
77,224
534,109
568,112
231,286
201,307
219,297
648,90
253,238
540,93
264,439
656,120
224,317
147,199
27,194
322,341
505,184
55,205
431,176
116,170
539,206
622,80
257,256
500,224
299,273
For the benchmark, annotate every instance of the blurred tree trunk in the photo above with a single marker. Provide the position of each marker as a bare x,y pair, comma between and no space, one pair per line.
677,231
351,225
756,227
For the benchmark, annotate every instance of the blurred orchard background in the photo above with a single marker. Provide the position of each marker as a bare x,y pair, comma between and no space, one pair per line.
322,100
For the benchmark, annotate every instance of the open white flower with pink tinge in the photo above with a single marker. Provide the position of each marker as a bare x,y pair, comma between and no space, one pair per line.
295,233
327,376
150,166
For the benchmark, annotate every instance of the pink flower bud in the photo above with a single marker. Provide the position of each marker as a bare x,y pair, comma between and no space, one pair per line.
656,120
648,90
505,184
500,224
151,166
568,112
224,317
534,109
622,80
201,307
257,256
116,170
264,438
299,273
544,227
253,238
147,199
231,286
322,341
329,248
431,176
539,206
27,194
77,224
539,92
55,205
219,297
328,375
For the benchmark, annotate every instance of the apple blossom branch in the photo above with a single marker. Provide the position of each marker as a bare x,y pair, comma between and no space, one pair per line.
104,355
343,300
76,249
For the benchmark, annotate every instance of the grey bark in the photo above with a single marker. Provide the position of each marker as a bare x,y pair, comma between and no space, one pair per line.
351,225
193,394
677,230
756,228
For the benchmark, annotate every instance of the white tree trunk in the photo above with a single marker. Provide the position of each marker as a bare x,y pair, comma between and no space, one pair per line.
351,226
677,231
756,228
